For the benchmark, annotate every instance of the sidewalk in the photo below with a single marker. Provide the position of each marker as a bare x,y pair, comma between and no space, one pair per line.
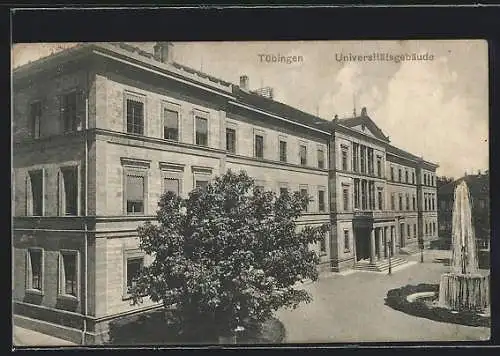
26,337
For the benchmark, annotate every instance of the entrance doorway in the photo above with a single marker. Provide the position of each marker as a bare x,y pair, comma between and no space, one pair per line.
362,236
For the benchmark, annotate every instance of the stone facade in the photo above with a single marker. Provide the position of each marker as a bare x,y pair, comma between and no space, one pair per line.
99,233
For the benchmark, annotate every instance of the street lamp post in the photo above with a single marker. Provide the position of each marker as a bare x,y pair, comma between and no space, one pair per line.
421,243
389,249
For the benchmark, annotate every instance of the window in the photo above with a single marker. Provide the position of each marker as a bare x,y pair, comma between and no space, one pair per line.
400,202
363,159
379,166
69,111
345,197
283,190
259,146
393,204
344,158
406,176
370,161
380,201
34,269
399,175
304,192
407,202
172,185
356,193
321,200
170,125
434,227
392,173
231,140
201,131
68,273
413,177
303,155
425,179
321,159
35,193
408,232
414,203
347,244
425,201
68,191
415,230
134,266
363,195
135,117
433,202
322,245
355,153
283,151
35,119
202,184
135,194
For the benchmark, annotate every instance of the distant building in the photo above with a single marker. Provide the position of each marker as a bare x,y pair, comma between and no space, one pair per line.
479,189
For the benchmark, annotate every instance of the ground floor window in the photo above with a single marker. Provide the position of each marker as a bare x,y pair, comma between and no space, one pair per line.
133,263
322,244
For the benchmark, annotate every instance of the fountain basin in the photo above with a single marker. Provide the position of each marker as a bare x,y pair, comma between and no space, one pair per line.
464,291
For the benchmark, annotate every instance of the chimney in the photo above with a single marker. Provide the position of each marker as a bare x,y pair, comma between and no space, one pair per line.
163,52
244,82
363,112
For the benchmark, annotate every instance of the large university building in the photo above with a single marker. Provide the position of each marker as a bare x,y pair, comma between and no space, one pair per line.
100,131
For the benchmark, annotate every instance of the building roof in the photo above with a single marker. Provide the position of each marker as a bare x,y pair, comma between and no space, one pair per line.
368,122
478,184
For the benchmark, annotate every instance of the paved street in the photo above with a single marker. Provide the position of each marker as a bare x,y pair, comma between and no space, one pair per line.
350,308
25,337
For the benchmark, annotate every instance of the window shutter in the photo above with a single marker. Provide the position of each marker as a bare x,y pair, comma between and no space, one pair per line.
60,210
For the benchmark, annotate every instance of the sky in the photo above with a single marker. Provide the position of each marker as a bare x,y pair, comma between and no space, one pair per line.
435,106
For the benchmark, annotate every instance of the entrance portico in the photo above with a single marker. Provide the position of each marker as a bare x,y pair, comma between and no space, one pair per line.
376,242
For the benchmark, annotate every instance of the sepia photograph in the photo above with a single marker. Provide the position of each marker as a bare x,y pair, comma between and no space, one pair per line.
250,193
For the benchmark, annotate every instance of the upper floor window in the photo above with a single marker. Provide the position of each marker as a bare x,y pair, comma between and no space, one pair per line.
407,202
259,146
413,177
68,191
414,203
283,190
400,202
321,200
363,159
321,158
379,166
400,176
380,200
172,185
135,116
201,184
392,173
35,119
170,125
344,158
35,193
303,155
355,153
406,177
356,193
231,140
68,273
425,179
393,204
283,152
414,230
201,131
69,111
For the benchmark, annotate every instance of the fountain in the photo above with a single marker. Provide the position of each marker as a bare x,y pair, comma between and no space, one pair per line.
464,288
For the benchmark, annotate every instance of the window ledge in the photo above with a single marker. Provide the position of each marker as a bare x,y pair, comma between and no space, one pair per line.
68,297
34,291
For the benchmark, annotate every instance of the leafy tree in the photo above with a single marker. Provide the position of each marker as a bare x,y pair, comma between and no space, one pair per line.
229,254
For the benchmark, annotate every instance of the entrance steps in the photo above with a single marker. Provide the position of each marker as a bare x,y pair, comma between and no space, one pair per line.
379,266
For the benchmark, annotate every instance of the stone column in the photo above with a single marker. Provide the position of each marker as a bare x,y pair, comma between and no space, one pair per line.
372,246
380,243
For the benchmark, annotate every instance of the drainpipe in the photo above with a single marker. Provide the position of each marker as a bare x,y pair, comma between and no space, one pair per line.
85,268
